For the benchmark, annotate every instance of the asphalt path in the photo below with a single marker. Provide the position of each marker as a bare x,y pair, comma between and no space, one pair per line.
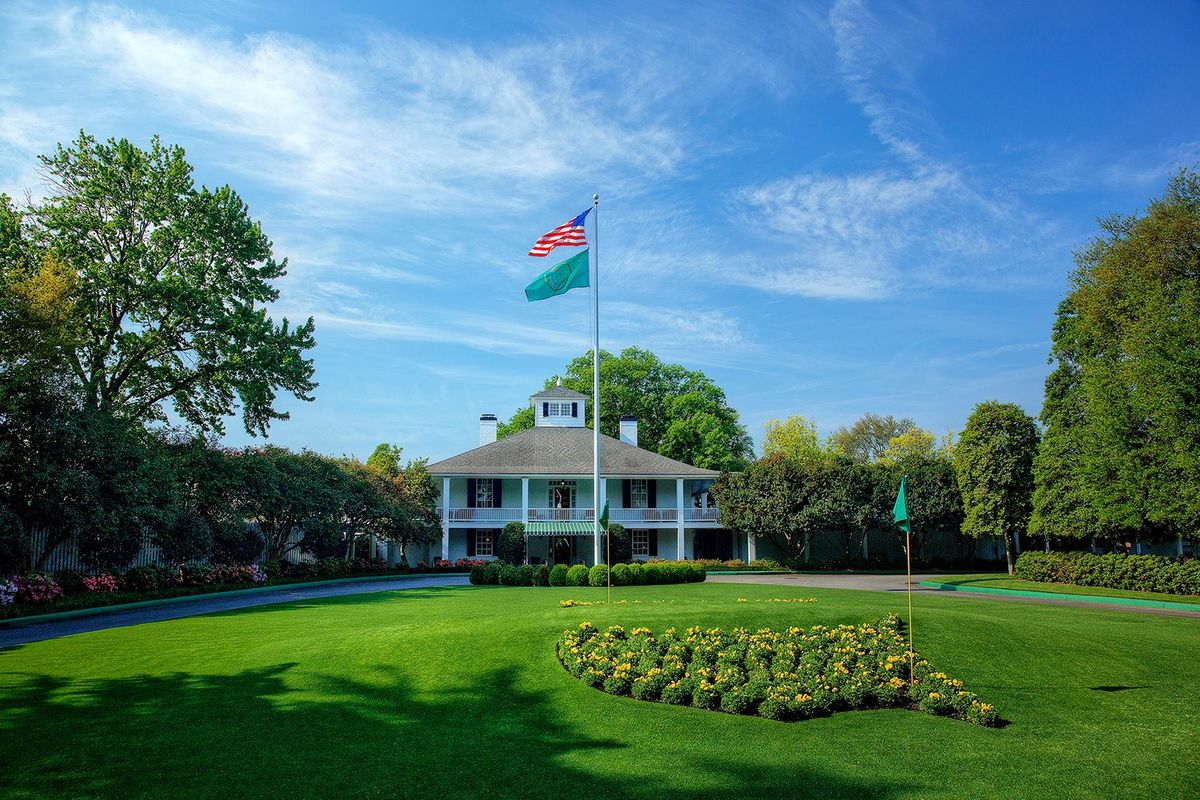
15,633
895,583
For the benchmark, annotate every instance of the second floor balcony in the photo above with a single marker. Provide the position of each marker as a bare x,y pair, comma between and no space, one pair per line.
623,516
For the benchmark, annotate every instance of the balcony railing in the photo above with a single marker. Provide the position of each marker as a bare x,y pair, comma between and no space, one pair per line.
625,516
485,515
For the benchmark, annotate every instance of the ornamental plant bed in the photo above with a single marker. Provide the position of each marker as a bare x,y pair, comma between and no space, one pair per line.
790,675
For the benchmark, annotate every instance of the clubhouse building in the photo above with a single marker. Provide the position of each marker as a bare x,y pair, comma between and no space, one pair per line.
543,478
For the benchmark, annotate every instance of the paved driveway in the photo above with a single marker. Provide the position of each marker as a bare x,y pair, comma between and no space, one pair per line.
14,632
895,583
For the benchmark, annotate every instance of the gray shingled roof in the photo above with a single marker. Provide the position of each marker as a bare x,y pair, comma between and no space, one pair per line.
555,392
563,451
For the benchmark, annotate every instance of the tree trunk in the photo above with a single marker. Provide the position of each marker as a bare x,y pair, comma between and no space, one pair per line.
1008,551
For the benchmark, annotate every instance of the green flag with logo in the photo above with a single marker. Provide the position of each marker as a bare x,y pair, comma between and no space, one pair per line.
604,515
560,279
900,510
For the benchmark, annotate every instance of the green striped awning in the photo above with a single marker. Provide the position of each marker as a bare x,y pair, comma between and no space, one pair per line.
559,528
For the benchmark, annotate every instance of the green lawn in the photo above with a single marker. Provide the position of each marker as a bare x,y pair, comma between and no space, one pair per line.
1001,581
456,692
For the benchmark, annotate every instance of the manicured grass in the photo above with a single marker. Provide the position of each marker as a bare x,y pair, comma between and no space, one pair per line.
1002,581
457,693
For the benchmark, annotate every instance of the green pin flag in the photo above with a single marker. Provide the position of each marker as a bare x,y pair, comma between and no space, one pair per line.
900,510
560,279
604,515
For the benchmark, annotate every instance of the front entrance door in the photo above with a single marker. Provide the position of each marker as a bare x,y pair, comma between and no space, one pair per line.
713,544
562,550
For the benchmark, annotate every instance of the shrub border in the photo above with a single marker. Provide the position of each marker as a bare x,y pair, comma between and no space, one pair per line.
1084,598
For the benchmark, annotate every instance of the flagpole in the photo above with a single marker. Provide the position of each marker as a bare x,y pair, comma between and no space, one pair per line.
595,249
908,558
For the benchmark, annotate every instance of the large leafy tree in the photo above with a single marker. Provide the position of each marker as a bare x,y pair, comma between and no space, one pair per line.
796,437
847,499
869,437
1122,407
681,413
994,464
935,503
155,289
770,498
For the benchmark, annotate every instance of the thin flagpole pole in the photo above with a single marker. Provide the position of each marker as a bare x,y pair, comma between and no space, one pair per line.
908,559
596,379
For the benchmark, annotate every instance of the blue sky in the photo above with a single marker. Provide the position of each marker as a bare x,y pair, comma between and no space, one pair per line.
829,208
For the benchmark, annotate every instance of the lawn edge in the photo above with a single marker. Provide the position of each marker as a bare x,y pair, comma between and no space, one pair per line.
166,601
1085,598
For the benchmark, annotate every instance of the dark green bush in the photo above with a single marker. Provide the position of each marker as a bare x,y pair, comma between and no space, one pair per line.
541,575
650,573
526,574
577,575
491,572
479,574
621,576
1112,571
696,573
558,575
620,546
147,579
510,575
511,547
636,577
598,575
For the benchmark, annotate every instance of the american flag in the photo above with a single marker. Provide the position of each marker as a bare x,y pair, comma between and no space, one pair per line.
569,234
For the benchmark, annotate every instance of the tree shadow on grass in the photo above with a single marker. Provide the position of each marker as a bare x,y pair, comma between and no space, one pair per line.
284,732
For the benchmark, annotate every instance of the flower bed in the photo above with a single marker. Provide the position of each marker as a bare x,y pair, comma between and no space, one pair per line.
737,565
634,574
790,675
1112,571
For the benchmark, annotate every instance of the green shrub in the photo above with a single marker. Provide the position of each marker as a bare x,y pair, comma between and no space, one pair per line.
511,547
510,575
598,575
636,578
619,543
696,573
1112,571
541,575
650,573
526,574
621,576
558,575
492,572
577,575
479,574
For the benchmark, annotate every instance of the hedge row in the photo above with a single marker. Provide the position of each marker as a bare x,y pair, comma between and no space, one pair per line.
1112,571
636,574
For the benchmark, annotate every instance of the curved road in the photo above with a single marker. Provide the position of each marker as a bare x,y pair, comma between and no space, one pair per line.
14,633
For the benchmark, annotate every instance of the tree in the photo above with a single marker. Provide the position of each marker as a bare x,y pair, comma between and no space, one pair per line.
385,459
511,547
768,499
796,437
284,493
1122,409
846,501
994,462
167,288
869,438
934,500
914,443
681,413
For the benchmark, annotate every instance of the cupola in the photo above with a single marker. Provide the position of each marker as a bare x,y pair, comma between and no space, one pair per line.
558,407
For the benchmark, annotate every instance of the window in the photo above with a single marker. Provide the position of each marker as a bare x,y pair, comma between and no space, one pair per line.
485,493
558,409
483,543
641,542
639,494
561,494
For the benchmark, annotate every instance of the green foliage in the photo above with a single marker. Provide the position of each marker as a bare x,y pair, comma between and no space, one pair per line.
541,575
1112,571
478,576
790,675
621,576
598,575
510,575
636,576
170,285
1121,455
619,543
768,499
795,437
558,575
511,547
870,437
577,575
492,572
994,465
681,413
385,459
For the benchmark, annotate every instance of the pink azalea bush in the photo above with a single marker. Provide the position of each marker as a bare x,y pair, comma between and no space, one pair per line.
38,587
100,584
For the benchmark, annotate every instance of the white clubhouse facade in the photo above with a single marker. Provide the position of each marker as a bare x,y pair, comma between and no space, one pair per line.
542,477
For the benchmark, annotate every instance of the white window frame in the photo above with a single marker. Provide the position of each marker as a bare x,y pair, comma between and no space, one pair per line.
639,493
485,493
480,550
640,540
552,485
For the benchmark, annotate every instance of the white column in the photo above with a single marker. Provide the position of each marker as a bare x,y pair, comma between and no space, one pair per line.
751,548
525,500
679,518
446,518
